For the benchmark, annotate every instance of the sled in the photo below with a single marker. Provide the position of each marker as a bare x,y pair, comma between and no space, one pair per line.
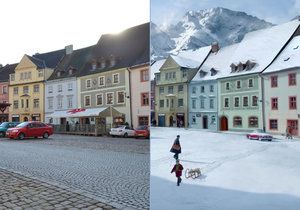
194,173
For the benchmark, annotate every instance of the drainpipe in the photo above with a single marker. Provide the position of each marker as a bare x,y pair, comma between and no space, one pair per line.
129,73
262,101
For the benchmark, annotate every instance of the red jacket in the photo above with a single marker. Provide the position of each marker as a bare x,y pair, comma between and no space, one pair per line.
178,169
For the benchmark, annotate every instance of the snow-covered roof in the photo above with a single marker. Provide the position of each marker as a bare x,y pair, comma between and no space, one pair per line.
185,62
288,58
155,67
261,46
218,61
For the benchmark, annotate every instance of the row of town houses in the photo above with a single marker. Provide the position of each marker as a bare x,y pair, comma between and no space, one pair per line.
78,86
254,84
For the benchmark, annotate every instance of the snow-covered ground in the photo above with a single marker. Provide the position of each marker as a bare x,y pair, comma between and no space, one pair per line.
238,174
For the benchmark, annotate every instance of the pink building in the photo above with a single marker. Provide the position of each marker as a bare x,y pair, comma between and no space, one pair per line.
4,78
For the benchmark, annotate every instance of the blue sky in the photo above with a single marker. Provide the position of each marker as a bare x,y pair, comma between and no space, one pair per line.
275,11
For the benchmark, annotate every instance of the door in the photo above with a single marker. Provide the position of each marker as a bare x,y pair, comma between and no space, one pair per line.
224,124
205,124
161,121
294,125
180,120
171,121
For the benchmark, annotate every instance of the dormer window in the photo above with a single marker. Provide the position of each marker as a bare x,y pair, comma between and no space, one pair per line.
213,72
58,74
102,63
233,68
70,71
94,66
112,60
249,65
240,67
202,73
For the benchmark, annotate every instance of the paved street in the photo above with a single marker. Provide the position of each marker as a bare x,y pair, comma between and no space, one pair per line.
110,171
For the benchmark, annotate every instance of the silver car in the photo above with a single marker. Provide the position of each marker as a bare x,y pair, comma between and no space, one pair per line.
122,130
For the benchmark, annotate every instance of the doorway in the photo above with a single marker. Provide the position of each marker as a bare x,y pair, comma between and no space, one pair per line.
161,121
294,125
180,120
25,119
224,123
205,123
171,121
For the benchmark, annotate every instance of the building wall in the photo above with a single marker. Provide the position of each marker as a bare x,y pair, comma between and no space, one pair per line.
242,111
108,87
4,98
283,91
139,86
198,113
54,92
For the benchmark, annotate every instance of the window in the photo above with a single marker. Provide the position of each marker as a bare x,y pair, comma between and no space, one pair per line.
211,88
157,77
121,97
172,103
184,73
4,89
194,103
180,102
202,89
180,88
227,85
253,122
238,84
274,103
245,101
274,81
170,89
161,103
144,75
102,81
292,79
40,73
70,101
50,89
27,103
236,102
88,83
87,100
211,103
293,102
22,103
250,83
167,100
202,103
36,103
50,103
59,102
22,76
143,120
109,98
213,119
254,100
16,90
70,86
115,78
273,124
36,88
16,104
99,100
161,90
12,77
59,88
145,99
237,121
194,89
194,119
226,102
25,90
174,75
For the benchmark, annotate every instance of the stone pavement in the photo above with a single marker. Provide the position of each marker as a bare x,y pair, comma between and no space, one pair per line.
20,192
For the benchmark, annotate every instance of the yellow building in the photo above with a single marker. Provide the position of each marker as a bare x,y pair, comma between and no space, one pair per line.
26,86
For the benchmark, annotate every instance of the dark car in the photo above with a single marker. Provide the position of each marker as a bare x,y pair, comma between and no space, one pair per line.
30,129
142,131
6,125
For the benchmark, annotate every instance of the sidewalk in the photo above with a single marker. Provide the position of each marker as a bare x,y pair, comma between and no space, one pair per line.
19,192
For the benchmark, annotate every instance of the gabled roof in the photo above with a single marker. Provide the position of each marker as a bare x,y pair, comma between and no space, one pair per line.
261,47
6,70
219,61
75,61
50,59
288,58
40,64
129,48
155,67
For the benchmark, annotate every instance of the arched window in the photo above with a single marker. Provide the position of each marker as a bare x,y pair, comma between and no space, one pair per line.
253,122
237,121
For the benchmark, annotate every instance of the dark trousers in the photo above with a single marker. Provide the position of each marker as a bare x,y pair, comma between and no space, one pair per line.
176,156
178,180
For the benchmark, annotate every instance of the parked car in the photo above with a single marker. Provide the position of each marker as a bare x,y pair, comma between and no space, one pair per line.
30,129
142,131
122,130
6,125
259,134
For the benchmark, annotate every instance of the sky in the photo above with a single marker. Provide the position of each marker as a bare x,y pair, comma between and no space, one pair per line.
32,26
274,11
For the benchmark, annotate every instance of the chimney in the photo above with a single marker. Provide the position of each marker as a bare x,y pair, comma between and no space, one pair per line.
69,49
215,47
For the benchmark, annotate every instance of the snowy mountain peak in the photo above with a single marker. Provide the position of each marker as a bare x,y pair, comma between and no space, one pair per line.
200,28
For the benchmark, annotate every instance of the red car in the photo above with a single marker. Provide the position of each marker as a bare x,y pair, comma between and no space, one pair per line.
142,131
30,129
